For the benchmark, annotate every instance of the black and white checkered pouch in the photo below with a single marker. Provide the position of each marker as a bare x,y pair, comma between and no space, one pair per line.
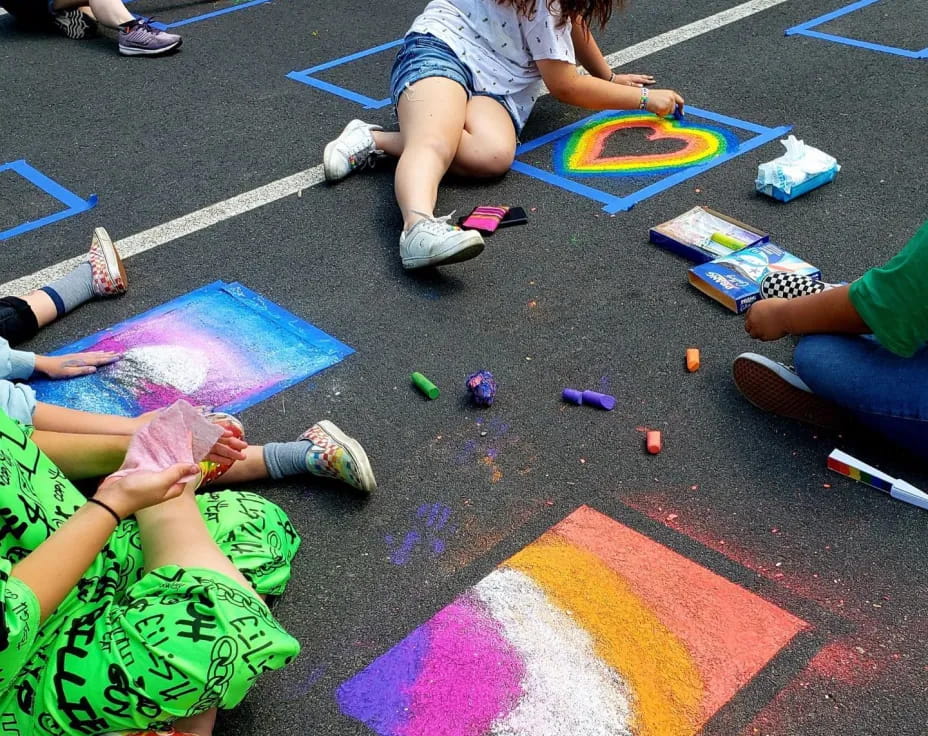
781,285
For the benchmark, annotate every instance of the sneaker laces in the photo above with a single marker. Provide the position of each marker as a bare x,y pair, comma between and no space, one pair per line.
439,224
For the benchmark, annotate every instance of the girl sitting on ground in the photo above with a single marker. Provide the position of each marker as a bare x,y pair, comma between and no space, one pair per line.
464,83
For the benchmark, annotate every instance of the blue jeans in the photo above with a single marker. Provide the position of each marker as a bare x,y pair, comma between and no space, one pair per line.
885,392
421,56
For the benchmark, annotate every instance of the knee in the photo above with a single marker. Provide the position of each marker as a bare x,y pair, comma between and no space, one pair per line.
437,146
491,163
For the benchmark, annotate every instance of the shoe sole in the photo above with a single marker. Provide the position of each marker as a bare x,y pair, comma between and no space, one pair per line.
75,28
365,472
132,51
767,390
464,253
111,256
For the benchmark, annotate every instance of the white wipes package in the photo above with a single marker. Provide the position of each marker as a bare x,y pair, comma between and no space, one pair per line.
785,177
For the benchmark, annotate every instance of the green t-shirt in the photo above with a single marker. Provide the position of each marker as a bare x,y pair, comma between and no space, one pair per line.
893,299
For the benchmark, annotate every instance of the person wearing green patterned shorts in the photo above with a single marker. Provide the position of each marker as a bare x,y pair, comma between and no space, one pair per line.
135,625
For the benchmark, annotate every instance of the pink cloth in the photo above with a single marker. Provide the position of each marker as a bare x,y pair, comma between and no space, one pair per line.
179,434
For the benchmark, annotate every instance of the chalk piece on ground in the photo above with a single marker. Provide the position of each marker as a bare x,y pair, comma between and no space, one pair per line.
482,387
573,396
425,385
603,401
654,441
692,359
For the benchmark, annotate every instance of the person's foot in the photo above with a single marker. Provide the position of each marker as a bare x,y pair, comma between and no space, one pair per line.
782,285
333,454
107,272
140,39
776,388
74,24
210,472
352,150
434,241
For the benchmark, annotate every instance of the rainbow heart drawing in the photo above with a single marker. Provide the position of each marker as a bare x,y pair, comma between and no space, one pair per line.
582,152
591,630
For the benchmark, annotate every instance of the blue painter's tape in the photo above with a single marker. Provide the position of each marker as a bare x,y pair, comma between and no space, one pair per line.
73,204
830,16
305,76
616,203
805,29
197,18
368,102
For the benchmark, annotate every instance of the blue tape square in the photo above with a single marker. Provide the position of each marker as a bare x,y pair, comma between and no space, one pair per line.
73,204
806,29
640,186
369,103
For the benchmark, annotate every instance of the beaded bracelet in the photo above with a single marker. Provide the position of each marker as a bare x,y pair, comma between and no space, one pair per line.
643,102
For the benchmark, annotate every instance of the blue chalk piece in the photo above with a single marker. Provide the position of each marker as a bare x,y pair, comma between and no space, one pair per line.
603,401
678,112
482,387
573,396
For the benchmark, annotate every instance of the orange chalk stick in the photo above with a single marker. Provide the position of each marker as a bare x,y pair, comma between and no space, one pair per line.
653,441
692,359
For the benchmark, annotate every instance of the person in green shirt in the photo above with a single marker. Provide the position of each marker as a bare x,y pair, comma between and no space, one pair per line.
862,356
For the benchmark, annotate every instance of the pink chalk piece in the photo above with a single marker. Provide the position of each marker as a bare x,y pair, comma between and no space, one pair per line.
653,441
178,434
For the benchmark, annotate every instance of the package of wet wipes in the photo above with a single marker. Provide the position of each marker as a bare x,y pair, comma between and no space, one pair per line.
801,169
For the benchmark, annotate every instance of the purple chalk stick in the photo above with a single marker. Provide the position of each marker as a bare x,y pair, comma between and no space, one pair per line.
603,401
573,396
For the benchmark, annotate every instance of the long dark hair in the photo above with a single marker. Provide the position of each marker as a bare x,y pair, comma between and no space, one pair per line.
589,11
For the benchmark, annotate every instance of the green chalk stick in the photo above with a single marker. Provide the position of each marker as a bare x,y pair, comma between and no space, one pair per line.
728,241
425,385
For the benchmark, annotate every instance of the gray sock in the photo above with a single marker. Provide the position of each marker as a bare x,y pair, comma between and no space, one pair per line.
72,290
286,458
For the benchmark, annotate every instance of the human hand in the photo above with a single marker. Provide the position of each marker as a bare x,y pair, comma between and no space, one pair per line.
633,80
227,449
664,102
767,319
75,364
130,493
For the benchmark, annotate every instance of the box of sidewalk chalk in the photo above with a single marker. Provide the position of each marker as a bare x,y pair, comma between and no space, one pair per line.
702,234
734,279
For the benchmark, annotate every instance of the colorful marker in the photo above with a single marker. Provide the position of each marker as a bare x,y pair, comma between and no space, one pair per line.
850,466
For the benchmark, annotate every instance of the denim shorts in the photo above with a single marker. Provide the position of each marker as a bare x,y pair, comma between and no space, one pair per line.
423,55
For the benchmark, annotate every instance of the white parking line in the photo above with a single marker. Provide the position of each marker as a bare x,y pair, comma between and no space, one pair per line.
228,208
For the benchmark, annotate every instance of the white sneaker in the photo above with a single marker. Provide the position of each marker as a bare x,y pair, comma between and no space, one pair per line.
434,241
353,149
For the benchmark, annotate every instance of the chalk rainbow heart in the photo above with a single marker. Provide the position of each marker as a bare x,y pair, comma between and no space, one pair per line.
593,629
582,152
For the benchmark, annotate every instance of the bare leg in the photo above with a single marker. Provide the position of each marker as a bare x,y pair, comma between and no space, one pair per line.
108,12
201,725
83,455
42,307
249,469
487,146
431,113
53,418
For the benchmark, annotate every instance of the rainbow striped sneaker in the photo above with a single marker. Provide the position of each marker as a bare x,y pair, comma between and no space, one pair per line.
210,472
107,272
333,454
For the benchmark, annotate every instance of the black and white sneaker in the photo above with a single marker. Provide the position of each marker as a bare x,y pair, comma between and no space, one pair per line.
74,24
782,285
777,388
